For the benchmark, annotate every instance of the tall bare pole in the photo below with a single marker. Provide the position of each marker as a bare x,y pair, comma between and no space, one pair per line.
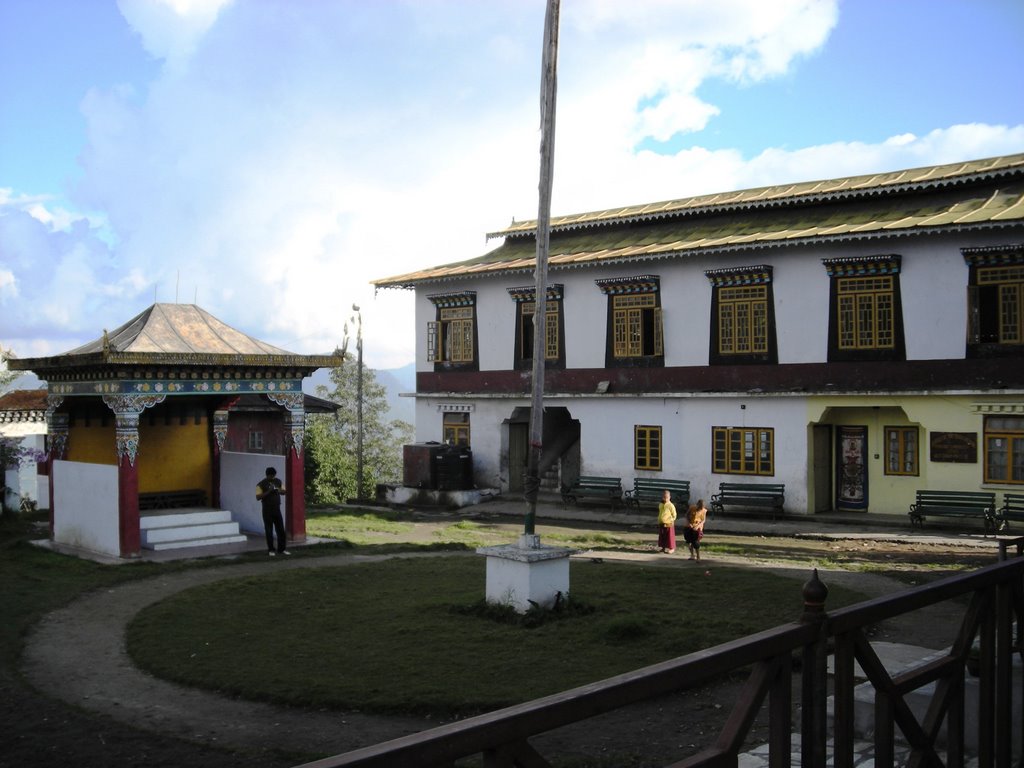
359,400
549,82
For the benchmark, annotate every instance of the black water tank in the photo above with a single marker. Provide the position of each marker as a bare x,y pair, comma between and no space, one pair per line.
454,468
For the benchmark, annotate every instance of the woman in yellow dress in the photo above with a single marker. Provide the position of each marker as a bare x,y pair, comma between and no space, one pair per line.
666,524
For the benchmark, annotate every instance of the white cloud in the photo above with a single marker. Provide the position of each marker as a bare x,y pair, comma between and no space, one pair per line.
291,152
171,29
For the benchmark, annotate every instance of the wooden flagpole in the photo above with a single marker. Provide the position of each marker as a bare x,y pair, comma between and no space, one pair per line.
549,81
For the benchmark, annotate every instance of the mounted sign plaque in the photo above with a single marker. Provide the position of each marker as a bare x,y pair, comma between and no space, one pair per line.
954,447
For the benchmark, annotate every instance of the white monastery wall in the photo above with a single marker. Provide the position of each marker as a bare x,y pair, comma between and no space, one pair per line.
239,474
496,328
86,506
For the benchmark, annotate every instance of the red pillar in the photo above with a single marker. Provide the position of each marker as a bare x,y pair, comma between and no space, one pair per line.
295,498
57,429
219,437
128,506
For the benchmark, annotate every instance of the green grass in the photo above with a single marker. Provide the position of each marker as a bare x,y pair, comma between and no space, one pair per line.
395,636
357,527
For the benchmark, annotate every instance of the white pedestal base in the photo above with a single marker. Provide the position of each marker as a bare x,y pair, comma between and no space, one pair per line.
526,573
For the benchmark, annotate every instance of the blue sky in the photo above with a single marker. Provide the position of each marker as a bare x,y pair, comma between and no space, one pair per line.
268,158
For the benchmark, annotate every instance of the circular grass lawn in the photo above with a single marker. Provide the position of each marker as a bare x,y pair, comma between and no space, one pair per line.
403,635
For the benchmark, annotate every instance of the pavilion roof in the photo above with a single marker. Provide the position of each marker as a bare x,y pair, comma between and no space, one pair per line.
178,335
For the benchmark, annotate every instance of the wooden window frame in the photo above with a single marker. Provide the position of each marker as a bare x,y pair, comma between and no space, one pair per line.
634,317
255,441
647,447
1004,286
451,338
898,459
742,312
865,308
455,428
743,451
552,314
1012,434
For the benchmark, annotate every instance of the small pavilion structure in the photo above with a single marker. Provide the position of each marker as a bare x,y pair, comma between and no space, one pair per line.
139,419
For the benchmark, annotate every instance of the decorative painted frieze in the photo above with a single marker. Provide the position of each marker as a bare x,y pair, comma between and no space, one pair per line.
638,284
57,428
857,266
179,387
220,428
723,278
126,408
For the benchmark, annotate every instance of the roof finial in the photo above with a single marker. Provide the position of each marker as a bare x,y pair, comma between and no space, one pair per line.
106,342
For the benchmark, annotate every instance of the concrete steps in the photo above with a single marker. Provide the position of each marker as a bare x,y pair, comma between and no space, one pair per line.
193,527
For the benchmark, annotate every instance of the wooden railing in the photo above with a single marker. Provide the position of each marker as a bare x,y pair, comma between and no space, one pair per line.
995,594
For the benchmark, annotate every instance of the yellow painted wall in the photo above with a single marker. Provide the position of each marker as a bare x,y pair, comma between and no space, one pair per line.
174,456
930,413
93,444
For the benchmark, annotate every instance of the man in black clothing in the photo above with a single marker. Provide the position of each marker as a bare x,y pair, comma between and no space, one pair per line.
269,491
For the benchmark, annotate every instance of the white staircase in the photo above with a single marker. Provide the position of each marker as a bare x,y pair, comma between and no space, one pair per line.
190,527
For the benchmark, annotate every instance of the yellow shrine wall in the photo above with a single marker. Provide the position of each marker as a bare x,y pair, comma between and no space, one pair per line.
174,448
174,456
92,443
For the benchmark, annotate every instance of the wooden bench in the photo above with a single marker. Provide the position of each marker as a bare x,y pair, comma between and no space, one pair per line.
189,497
609,488
771,495
1012,509
976,504
651,488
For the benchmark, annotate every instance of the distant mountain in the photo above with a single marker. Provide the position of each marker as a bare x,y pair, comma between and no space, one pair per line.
29,380
394,381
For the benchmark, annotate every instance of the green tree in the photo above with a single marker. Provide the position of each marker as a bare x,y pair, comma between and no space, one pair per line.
6,376
331,460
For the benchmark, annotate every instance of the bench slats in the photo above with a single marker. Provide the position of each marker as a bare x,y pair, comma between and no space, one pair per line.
750,495
592,485
1012,509
651,488
975,504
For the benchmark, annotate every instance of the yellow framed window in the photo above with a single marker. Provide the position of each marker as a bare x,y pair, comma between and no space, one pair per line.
551,334
455,428
450,337
1004,286
865,312
743,320
901,451
743,450
646,447
637,326
1004,449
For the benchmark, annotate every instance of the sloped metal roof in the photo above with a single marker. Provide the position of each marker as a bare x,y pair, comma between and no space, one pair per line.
176,334
929,177
980,205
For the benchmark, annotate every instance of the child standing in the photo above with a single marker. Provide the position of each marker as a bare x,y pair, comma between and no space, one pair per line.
694,530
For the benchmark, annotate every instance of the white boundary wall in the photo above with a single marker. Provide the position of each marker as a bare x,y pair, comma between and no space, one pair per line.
86,508
239,474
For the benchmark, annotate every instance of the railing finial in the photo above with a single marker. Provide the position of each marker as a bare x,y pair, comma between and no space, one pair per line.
815,593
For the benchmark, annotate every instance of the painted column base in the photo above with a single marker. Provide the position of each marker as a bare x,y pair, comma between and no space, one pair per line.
527,573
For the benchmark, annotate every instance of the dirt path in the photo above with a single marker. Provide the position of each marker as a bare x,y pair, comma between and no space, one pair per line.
78,654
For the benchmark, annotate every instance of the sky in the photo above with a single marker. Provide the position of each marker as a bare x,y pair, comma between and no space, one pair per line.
267,159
